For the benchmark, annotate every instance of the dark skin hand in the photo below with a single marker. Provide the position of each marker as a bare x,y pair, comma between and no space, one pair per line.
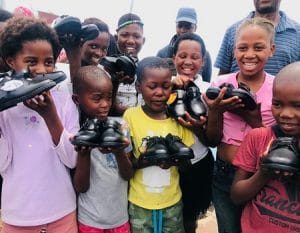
216,108
43,104
81,178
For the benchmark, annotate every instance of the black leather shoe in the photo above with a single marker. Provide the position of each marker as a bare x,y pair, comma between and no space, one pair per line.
213,92
111,135
19,87
177,149
283,156
89,133
156,150
193,102
245,94
89,32
67,25
57,76
118,63
176,107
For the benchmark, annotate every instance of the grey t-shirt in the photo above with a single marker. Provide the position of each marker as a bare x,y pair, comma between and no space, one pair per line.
105,204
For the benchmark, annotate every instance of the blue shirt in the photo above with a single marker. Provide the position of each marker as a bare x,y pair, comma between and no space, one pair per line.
287,46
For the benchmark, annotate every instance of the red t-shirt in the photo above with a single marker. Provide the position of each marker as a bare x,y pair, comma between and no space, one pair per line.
276,208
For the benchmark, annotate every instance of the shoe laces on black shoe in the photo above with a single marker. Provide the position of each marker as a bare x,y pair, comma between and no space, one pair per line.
283,155
112,134
154,149
178,150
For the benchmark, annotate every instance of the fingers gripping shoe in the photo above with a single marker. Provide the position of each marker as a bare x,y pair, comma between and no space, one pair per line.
245,94
176,105
213,92
193,102
283,155
20,87
112,135
156,150
89,133
177,149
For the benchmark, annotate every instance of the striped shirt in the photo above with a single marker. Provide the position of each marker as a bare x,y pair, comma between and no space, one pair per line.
287,46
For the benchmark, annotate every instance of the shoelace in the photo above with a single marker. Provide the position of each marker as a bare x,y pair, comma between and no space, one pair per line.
157,226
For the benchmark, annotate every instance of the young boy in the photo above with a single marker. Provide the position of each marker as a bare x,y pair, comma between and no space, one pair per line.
272,199
154,193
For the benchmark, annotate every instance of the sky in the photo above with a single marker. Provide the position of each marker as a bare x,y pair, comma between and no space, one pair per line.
214,16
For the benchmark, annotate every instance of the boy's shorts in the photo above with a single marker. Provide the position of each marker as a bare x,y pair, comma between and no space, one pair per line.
145,220
66,224
125,228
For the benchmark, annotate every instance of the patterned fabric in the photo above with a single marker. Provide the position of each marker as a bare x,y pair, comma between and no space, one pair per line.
287,43
21,10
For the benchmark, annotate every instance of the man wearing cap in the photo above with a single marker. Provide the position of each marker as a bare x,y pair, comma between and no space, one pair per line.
186,21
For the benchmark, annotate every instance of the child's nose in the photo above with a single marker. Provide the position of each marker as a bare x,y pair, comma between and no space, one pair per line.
39,69
286,113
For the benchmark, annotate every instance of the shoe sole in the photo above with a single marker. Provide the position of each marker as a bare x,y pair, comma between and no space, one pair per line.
111,144
182,156
280,167
83,143
13,102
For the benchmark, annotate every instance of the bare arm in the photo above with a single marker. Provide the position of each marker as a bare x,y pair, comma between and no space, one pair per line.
81,179
125,166
246,185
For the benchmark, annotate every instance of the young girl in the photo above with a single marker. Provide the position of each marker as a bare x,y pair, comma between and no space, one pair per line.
195,182
36,154
129,41
101,175
89,52
154,192
228,122
272,200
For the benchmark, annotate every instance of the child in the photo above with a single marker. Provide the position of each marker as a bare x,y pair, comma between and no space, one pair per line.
100,176
195,183
89,52
154,193
272,201
36,154
228,123
129,41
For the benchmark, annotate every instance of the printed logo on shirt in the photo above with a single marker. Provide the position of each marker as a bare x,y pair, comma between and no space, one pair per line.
111,161
281,204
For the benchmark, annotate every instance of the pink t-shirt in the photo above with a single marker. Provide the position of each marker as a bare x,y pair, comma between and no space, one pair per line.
37,187
235,128
276,207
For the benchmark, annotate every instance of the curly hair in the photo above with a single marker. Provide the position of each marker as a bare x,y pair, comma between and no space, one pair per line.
18,30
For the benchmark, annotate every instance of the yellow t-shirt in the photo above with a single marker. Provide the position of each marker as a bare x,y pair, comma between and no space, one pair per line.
153,187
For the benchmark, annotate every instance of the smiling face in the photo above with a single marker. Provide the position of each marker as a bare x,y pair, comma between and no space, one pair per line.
92,51
286,102
36,55
188,59
253,48
130,39
155,87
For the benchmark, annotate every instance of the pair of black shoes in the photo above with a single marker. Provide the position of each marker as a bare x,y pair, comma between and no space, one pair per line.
166,149
283,156
118,63
69,25
186,100
243,92
19,87
96,133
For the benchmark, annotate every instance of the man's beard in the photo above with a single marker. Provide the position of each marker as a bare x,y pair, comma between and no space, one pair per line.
266,10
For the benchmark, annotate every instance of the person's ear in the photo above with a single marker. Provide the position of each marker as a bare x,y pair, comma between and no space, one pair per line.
195,27
75,99
138,87
144,39
10,61
273,48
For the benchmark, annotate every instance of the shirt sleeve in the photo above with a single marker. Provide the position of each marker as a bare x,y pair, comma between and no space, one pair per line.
70,120
5,153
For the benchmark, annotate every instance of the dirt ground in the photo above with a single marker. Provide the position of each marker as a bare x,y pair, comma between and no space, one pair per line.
208,224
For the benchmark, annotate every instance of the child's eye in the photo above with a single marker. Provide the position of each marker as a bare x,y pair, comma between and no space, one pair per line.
259,48
93,46
276,105
242,49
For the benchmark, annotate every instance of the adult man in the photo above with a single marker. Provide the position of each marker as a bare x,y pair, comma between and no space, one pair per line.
186,21
287,39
